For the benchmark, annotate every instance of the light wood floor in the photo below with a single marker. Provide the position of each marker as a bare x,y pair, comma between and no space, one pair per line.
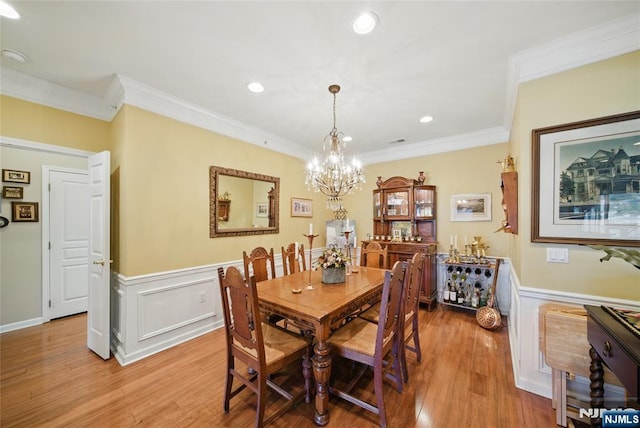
50,378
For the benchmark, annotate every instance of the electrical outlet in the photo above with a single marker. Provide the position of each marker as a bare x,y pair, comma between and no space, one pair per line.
203,297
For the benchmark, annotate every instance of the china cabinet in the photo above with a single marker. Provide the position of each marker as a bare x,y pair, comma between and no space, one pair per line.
404,219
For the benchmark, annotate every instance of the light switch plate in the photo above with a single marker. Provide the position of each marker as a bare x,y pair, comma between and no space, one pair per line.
558,255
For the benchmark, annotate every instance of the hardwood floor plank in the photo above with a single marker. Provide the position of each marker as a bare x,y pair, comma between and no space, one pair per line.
49,378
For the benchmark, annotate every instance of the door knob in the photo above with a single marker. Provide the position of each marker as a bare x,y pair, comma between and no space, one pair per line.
101,262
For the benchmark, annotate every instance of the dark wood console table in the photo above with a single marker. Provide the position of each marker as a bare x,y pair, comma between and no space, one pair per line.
617,346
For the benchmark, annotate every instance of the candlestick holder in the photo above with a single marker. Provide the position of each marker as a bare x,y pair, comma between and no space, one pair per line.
348,250
310,238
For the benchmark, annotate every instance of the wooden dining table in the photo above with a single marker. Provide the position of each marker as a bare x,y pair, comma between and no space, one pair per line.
319,311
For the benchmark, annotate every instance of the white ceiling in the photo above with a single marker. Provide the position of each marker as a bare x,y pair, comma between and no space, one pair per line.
457,61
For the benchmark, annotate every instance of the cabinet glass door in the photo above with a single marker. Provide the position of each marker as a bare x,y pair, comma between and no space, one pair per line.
424,203
377,206
397,203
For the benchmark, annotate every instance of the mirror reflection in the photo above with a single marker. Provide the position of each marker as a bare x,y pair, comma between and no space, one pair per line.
242,203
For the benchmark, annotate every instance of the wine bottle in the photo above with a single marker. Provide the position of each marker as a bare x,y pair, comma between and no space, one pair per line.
445,294
452,293
460,294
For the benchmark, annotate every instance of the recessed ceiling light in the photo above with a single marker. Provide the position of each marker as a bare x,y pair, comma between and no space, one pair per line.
346,138
365,23
14,55
426,119
255,87
7,11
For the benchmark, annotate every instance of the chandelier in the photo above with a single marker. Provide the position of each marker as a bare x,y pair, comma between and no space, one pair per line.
333,176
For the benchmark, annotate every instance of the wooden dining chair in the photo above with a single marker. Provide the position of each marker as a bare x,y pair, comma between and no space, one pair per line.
266,349
373,255
291,261
259,263
410,311
374,345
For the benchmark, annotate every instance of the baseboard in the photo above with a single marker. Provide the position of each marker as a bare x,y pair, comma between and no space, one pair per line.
21,324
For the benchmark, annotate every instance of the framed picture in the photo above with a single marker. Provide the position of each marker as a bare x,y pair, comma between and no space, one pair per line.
24,211
471,207
301,207
11,192
13,176
262,209
586,182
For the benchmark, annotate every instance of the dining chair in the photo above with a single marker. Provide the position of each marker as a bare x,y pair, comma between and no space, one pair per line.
266,349
261,262
374,345
291,261
373,255
410,310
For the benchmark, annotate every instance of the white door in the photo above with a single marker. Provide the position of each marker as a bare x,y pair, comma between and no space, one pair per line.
98,320
68,242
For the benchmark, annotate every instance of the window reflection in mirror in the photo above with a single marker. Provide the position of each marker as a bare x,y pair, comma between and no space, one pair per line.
242,203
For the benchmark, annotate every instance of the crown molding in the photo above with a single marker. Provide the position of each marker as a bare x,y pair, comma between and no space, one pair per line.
484,137
145,97
25,87
598,43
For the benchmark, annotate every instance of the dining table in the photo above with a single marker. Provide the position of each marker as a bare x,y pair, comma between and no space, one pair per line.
318,309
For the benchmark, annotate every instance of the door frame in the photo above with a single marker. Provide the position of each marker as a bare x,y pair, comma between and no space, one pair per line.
46,232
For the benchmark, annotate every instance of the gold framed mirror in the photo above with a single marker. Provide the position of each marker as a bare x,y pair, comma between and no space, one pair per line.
242,203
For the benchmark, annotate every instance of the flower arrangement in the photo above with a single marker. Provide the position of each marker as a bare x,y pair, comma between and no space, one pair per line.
332,257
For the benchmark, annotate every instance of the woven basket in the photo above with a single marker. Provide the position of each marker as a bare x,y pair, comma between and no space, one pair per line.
489,317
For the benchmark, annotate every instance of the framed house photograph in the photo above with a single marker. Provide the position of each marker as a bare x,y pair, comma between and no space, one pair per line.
11,192
262,209
471,207
24,211
301,207
13,176
586,182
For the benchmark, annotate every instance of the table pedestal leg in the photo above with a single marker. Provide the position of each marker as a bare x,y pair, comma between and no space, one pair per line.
322,373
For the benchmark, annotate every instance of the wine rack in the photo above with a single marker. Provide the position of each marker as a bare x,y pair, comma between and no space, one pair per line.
476,281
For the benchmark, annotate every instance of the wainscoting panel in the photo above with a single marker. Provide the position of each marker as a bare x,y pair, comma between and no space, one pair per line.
531,373
151,313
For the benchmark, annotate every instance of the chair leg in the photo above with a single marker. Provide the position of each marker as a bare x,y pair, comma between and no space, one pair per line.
416,340
403,362
377,386
262,400
227,389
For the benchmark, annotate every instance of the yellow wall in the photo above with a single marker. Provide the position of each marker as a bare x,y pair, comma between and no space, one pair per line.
164,194
38,123
596,90
467,171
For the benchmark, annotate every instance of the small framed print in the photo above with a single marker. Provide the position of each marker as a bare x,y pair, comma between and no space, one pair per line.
14,176
24,212
262,209
12,192
471,207
301,207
